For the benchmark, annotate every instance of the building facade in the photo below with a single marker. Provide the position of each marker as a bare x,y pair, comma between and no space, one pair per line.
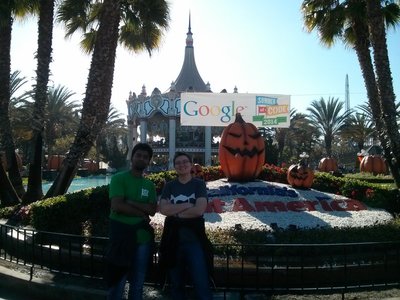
155,119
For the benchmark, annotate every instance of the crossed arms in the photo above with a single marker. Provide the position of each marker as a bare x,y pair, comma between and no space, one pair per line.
184,210
135,209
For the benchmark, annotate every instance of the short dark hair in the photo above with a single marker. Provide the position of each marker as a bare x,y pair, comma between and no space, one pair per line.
179,153
144,147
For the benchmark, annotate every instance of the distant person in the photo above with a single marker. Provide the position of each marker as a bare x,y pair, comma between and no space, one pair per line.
133,200
185,248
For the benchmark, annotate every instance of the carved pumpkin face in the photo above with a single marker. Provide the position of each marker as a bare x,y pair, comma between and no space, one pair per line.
300,176
241,151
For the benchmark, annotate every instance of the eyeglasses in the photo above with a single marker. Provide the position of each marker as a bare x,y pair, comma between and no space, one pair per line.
182,162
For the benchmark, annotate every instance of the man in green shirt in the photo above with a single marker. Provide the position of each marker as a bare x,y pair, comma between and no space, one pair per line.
133,200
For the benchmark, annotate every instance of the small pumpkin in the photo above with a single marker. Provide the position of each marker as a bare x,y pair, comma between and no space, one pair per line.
241,151
373,164
328,164
197,171
300,176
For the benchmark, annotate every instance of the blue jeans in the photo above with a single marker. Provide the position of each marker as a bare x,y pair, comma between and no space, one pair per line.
190,258
135,277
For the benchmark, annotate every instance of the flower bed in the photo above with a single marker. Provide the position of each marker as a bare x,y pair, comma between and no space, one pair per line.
267,205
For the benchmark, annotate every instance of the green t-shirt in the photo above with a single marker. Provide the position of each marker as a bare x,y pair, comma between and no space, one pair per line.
135,189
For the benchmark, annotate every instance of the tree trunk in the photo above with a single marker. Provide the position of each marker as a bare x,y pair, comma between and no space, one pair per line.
45,37
98,94
367,69
328,145
34,190
280,135
6,139
385,82
8,196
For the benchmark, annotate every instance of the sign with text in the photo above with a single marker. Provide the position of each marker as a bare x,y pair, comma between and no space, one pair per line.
209,109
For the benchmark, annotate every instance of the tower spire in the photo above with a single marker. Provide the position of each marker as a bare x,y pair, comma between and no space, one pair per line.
189,78
189,34
190,27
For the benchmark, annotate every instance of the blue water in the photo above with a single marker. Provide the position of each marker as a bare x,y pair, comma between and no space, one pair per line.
82,183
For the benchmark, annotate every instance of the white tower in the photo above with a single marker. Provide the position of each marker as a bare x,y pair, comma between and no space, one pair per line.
347,94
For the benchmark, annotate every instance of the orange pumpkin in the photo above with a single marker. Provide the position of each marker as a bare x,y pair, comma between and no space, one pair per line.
300,176
241,151
197,171
373,164
328,164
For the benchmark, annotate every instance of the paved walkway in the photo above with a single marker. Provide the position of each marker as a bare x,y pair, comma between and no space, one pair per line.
16,284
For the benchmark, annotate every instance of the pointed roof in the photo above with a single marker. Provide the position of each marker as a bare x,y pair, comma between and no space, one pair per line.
189,78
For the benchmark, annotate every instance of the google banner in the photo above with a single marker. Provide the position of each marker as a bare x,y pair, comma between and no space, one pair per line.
207,109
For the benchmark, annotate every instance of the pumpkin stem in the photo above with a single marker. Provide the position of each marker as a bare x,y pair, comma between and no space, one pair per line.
239,119
303,162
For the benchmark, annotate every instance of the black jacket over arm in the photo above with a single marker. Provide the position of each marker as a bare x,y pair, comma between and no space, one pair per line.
170,240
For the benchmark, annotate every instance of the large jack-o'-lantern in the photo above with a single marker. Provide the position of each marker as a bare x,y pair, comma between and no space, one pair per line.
241,151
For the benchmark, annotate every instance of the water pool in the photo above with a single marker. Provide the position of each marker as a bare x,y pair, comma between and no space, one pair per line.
82,183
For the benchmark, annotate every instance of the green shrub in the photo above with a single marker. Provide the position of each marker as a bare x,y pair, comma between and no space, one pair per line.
70,212
86,212
369,177
9,211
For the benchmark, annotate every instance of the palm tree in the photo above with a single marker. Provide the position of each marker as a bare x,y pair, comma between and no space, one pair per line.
61,116
364,108
302,137
18,115
141,28
369,118
348,21
358,129
9,10
16,102
328,118
281,134
143,22
45,37
111,143
16,83
377,30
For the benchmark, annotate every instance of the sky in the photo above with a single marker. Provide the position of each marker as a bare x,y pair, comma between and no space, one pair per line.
259,46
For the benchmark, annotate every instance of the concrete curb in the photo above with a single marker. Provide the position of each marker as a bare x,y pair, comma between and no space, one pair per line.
48,285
